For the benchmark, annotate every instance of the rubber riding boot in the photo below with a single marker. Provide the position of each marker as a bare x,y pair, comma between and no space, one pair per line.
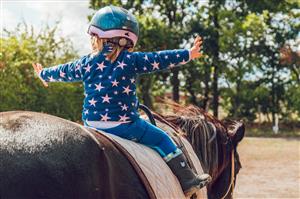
189,181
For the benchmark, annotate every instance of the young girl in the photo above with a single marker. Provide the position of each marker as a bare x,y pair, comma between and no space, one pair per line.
109,75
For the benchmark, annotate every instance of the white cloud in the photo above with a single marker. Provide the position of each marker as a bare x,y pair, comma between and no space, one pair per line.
71,14
8,19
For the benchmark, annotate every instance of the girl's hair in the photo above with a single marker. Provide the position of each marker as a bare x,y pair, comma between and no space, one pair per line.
97,46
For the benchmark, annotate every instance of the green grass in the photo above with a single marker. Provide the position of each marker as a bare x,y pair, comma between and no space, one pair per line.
267,132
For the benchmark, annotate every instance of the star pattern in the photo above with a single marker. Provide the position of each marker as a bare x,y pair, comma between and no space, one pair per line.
155,65
132,80
110,93
51,79
101,66
145,58
123,118
99,87
126,90
88,68
92,102
172,65
124,107
121,65
105,117
115,83
62,74
106,98
78,66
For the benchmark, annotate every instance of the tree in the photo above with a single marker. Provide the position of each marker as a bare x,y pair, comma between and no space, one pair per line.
278,28
20,90
172,13
150,29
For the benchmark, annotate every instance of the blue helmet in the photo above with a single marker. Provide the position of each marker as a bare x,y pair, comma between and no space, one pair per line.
115,23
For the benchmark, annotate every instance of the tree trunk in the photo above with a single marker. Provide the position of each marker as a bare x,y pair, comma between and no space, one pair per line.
146,84
215,101
273,96
189,88
205,104
237,97
216,62
175,84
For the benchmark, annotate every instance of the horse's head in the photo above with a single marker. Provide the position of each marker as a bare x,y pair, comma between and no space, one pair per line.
215,144
224,175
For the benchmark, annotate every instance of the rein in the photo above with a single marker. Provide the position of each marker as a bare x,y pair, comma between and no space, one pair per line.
231,185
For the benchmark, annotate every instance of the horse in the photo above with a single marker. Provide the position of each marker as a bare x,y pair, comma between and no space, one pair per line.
216,149
44,156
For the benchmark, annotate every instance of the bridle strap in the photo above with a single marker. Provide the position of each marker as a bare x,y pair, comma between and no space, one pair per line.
231,185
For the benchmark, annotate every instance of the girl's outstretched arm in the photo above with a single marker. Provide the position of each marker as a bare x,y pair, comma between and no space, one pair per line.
69,72
154,61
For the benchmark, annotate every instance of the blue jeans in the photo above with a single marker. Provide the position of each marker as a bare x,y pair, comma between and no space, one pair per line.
145,133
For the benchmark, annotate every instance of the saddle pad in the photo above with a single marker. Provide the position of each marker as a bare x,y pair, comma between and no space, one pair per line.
189,152
161,179
202,193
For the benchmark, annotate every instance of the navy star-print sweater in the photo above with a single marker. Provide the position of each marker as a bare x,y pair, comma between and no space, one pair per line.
110,90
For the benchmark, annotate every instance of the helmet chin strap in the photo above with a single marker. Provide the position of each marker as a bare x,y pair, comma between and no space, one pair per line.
122,42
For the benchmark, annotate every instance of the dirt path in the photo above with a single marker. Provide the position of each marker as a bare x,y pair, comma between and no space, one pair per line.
271,168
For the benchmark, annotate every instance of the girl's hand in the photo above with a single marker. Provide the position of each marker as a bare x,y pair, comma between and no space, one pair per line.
194,51
38,69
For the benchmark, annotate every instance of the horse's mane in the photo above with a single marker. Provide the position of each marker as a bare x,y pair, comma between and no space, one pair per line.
201,130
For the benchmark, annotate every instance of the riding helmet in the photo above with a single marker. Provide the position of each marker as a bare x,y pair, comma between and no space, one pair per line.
116,24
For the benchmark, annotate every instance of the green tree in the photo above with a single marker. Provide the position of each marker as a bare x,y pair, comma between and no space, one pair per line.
277,27
174,14
20,89
151,29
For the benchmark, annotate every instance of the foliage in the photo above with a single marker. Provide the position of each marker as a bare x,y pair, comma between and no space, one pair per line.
250,64
242,44
20,89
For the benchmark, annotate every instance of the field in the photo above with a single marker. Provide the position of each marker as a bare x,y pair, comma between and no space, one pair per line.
271,168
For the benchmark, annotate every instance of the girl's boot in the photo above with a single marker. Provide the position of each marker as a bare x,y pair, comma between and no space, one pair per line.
189,181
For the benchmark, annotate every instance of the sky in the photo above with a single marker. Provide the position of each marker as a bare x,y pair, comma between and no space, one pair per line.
71,14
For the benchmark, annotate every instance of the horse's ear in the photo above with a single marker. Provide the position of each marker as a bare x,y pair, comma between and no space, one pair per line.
236,130
239,134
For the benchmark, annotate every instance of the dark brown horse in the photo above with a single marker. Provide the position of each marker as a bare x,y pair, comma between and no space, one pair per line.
42,156
215,144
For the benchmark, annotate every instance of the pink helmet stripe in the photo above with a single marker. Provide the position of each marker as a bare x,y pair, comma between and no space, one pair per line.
113,33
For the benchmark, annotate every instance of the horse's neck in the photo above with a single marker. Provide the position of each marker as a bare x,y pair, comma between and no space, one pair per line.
208,143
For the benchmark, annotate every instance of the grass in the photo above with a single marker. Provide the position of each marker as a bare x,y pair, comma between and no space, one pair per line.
267,132
291,129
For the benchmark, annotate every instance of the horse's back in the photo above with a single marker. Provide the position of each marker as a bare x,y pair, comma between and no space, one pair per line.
43,156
